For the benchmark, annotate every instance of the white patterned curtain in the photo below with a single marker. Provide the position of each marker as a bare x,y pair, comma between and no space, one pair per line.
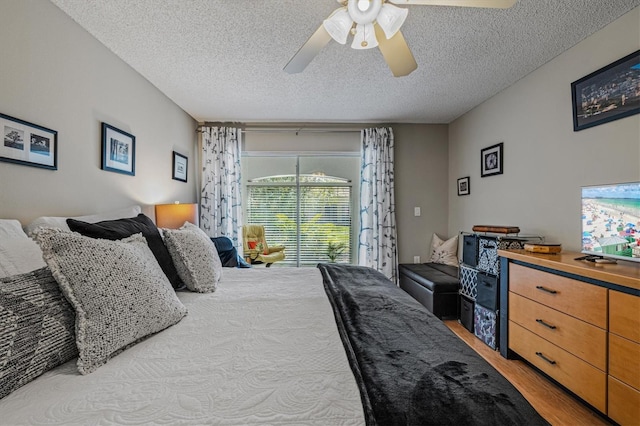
220,200
377,245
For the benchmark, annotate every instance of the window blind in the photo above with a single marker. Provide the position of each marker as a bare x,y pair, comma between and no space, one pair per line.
321,220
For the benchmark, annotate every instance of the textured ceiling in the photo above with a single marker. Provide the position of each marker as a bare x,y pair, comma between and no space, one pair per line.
222,60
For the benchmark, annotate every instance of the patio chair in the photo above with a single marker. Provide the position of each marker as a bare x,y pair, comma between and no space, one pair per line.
256,249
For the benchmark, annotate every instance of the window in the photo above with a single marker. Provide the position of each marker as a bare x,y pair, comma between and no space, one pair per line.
310,214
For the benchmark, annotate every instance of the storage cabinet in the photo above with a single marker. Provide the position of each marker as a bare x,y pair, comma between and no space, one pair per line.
548,313
624,358
579,323
479,283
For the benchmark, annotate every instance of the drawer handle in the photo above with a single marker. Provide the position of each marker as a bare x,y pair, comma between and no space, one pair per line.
552,327
550,361
539,287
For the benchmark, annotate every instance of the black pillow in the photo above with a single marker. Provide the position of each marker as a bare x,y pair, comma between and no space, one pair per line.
122,228
228,253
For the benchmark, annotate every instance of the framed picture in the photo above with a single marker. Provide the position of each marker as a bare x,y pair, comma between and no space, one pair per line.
607,94
28,144
491,159
463,186
180,163
118,150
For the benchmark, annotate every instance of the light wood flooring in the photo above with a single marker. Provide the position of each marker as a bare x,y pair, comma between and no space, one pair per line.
554,404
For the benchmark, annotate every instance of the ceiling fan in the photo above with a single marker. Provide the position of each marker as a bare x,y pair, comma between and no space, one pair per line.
375,23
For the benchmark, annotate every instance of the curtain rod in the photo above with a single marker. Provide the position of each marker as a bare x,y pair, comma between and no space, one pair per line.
291,127
299,130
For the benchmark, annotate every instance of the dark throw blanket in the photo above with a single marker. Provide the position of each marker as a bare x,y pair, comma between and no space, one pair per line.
410,368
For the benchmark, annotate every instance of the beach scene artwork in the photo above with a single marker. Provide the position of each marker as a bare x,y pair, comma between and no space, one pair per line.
611,220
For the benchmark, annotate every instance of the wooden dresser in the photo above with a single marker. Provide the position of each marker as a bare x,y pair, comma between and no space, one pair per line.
579,323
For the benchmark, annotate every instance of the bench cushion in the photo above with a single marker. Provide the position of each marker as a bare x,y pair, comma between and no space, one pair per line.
434,276
434,285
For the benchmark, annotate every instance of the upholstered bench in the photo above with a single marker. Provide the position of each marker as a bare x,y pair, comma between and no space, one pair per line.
434,285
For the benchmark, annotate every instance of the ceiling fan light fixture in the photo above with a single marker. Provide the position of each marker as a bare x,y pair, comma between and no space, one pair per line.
338,25
391,19
366,15
365,37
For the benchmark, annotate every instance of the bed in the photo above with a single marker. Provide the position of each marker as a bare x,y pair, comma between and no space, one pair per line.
266,346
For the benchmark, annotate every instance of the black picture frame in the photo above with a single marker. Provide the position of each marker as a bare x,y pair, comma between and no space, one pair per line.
41,150
492,160
464,186
607,94
180,167
118,150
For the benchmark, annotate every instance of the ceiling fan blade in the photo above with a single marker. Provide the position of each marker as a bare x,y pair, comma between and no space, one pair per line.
499,4
308,51
396,53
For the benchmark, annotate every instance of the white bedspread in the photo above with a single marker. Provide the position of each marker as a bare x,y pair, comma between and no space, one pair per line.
262,349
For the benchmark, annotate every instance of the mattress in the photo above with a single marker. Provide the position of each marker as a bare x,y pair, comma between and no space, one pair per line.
263,349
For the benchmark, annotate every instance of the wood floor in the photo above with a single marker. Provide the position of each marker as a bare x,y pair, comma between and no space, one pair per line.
554,404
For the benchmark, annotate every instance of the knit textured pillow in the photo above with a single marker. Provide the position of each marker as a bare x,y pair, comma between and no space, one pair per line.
117,289
195,257
36,328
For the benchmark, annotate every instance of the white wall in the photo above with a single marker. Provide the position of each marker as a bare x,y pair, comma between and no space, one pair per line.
54,74
545,161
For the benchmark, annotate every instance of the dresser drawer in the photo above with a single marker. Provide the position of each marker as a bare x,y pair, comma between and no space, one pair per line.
582,378
624,315
624,360
573,335
624,403
587,302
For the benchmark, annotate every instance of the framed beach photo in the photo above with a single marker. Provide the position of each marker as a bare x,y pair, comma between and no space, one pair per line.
180,163
118,150
491,160
463,186
608,94
28,144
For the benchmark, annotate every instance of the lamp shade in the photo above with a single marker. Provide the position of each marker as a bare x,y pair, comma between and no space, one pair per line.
173,216
338,25
391,19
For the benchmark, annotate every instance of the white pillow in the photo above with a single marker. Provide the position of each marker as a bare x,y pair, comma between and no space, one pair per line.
11,228
19,255
195,257
445,252
61,222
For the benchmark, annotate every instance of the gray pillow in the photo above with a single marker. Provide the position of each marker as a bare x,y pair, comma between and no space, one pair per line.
195,257
36,328
118,290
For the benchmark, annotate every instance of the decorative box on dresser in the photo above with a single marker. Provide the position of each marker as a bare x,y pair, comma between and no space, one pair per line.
579,323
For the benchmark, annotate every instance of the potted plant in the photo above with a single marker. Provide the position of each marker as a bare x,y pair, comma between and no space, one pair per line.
335,249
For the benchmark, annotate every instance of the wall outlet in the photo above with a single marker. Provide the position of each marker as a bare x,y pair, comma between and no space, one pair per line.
417,211
416,259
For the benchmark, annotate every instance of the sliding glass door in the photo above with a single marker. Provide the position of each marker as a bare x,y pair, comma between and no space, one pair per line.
306,203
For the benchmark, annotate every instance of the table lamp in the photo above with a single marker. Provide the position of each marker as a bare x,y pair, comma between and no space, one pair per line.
173,216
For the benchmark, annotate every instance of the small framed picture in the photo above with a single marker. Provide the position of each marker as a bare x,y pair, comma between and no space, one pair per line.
492,161
118,150
28,144
180,163
463,186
